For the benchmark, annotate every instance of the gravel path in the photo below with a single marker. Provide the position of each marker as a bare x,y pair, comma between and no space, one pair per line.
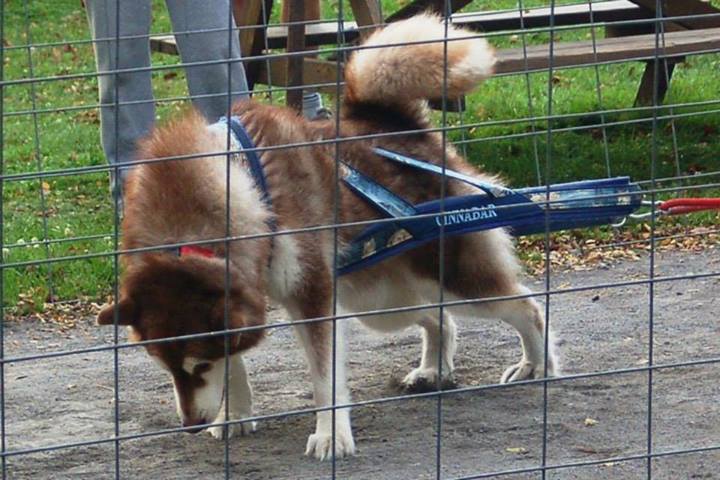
69,399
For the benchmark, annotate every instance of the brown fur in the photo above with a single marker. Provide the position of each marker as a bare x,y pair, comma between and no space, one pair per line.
185,199
150,294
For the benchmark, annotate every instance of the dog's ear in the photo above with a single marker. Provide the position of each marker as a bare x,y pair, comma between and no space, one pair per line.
248,313
127,313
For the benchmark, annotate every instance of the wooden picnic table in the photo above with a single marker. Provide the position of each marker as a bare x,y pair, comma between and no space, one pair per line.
693,28
692,15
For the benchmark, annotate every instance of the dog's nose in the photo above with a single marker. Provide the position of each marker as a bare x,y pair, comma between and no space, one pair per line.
194,423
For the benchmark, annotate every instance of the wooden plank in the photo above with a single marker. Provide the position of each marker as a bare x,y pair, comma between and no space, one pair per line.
247,13
564,15
252,40
312,11
314,71
640,47
367,14
419,6
325,33
625,30
679,8
295,43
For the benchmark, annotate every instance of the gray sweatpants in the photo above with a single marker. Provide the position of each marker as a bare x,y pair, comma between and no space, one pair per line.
208,84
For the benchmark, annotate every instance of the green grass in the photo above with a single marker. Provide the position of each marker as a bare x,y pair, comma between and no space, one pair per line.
79,206
75,206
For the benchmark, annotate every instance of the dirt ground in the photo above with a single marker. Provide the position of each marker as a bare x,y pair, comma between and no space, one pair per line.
69,399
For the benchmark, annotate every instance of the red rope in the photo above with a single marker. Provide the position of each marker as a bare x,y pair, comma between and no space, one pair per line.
677,206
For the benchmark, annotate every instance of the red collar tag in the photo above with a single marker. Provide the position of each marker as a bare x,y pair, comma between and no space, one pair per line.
196,250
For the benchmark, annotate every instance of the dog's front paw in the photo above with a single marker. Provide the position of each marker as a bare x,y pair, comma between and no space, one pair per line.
426,380
221,432
526,370
320,445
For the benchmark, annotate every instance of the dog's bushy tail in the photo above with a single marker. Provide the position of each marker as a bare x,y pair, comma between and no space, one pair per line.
389,72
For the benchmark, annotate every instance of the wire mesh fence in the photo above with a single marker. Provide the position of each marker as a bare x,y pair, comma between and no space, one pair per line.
581,90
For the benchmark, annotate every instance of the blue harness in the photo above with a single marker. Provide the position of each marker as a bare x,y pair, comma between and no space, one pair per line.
240,135
525,211
248,147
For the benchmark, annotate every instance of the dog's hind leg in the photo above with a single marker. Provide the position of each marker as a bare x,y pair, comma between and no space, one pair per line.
438,350
484,266
527,317
397,288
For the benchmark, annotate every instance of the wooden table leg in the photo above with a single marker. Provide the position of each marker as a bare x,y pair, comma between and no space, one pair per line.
671,8
295,43
367,15
665,70
252,40
419,6
312,10
290,71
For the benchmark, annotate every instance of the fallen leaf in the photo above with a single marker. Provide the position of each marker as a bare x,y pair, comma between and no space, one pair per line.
590,422
517,450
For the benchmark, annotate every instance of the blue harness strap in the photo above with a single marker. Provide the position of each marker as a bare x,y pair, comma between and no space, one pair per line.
486,187
378,196
253,159
248,148
524,211
256,170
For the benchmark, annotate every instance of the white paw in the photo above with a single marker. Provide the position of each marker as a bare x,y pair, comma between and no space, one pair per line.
320,445
221,432
526,370
426,379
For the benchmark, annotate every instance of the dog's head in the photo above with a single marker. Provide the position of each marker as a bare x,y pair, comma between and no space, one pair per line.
163,296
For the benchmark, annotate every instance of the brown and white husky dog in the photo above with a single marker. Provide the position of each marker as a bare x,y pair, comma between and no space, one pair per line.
165,295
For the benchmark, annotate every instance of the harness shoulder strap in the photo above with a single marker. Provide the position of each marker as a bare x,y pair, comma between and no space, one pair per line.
249,149
378,196
488,188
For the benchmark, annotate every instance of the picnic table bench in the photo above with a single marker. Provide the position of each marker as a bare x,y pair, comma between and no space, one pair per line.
691,27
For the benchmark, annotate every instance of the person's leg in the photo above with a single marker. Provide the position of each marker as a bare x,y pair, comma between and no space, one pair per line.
131,91
208,84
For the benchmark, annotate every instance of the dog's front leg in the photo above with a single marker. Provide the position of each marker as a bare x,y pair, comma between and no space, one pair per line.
239,396
322,354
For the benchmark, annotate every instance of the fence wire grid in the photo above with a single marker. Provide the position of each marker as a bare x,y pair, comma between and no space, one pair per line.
583,89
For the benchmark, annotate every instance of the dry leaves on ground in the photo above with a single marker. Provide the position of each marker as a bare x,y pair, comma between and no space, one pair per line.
572,251
65,315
